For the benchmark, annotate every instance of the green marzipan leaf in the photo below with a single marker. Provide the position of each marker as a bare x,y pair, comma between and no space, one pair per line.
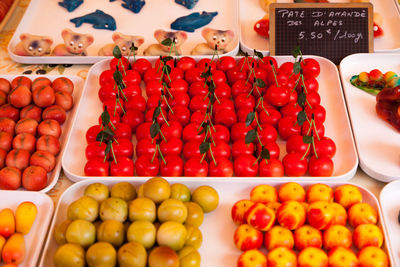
260,83
301,99
105,117
108,147
250,118
258,54
296,67
265,153
154,129
308,139
117,52
301,117
250,136
156,113
204,147
167,42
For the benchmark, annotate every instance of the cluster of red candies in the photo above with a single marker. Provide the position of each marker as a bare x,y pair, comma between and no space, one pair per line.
31,116
217,117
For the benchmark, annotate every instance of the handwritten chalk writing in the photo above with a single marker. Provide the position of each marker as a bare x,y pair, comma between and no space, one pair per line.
317,14
294,22
332,23
351,14
356,36
285,13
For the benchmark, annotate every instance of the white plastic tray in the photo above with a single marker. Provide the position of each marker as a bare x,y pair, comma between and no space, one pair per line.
52,177
337,124
218,248
389,199
36,237
378,143
39,19
251,12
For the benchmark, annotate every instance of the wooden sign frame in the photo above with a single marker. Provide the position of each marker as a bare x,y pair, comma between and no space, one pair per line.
328,6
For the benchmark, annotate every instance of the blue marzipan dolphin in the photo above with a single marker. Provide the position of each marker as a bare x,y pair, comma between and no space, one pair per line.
133,5
193,21
189,4
98,19
70,5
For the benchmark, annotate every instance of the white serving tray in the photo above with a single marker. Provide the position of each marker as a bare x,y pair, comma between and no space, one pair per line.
251,12
52,177
389,199
378,143
218,248
337,125
36,237
40,14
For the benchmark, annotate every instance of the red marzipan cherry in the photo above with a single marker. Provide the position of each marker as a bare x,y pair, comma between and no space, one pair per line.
235,74
245,166
92,133
180,114
221,149
178,86
123,167
291,109
122,63
143,131
318,128
226,63
191,149
96,150
273,148
186,63
270,168
310,67
245,101
137,102
174,129
152,74
239,148
294,164
146,167
267,133
221,168
132,90
287,127
318,111
191,132
241,86
239,131
295,144
153,87
132,77
173,146
147,147
123,130
225,117
123,148
141,65
194,168
323,166
107,92
96,167
194,75
198,88
220,133
325,147
173,166
133,118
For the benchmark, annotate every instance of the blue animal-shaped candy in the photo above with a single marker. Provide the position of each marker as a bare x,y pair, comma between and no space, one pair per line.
70,5
98,19
133,5
193,21
189,4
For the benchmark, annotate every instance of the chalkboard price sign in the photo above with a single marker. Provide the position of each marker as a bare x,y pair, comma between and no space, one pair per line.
329,30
